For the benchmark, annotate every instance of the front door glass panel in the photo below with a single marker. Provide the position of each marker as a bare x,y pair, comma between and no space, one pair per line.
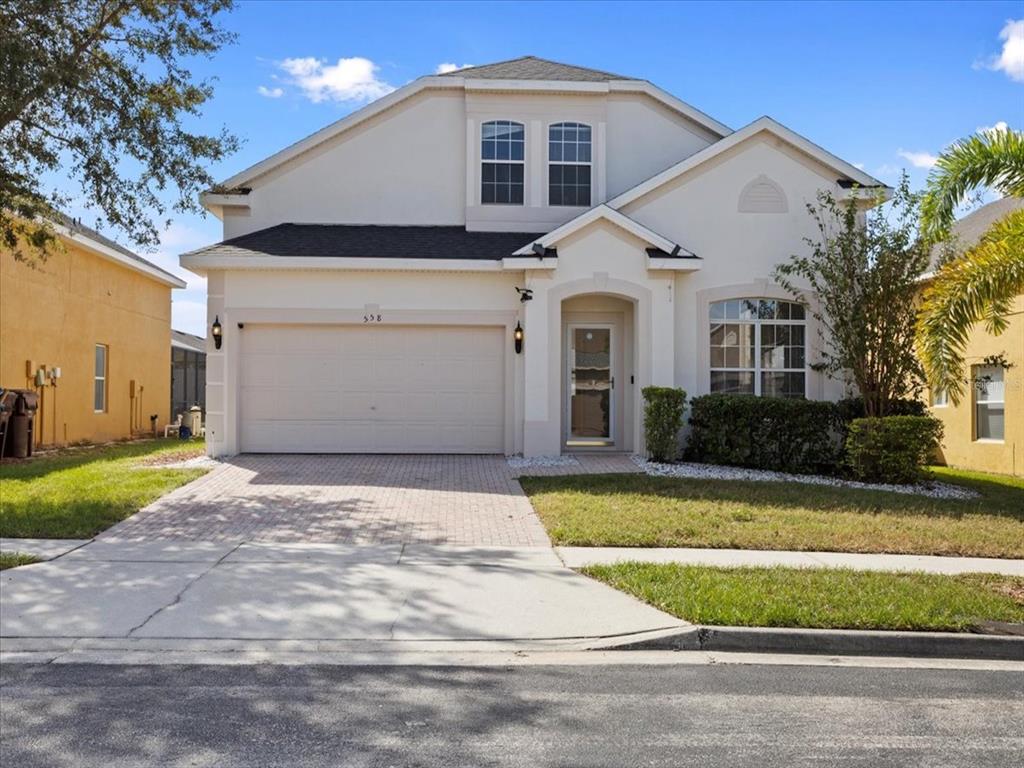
590,384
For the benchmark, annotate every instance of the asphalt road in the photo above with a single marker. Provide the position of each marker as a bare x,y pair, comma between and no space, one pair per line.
112,716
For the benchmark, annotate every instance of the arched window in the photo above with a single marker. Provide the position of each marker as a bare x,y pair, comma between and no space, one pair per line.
502,149
569,158
759,347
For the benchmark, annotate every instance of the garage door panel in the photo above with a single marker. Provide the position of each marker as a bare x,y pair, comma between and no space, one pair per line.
372,389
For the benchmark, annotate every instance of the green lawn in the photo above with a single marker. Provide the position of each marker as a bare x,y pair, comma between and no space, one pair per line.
14,559
819,598
78,493
643,511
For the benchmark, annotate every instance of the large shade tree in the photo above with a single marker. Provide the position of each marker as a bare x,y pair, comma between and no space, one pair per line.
981,283
98,93
859,277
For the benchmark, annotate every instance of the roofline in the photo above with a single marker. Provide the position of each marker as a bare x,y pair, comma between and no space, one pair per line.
452,82
602,211
200,264
713,150
105,251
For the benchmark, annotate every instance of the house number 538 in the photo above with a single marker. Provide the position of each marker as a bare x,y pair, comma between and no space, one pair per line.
372,318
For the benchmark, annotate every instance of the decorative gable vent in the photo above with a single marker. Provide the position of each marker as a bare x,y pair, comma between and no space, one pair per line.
762,195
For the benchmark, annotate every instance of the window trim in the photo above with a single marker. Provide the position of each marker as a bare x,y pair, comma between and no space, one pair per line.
977,402
756,323
104,378
550,162
496,161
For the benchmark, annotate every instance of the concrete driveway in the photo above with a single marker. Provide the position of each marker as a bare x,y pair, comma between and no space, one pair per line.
325,548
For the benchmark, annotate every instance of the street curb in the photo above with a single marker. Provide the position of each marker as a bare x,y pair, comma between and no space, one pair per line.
834,642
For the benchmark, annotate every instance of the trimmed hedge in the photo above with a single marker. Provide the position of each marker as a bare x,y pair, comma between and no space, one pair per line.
892,449
851,408
800,436
663,419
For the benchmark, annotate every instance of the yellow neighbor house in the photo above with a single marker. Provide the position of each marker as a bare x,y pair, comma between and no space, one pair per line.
985,431
99,314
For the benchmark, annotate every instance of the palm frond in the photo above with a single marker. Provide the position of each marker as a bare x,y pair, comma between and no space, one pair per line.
992,159
979,285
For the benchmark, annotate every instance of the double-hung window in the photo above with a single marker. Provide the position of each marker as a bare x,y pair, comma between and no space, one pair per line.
99,385
502,152
758,347
569,164
989,402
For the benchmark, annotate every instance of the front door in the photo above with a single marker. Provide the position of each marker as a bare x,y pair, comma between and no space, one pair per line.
590,383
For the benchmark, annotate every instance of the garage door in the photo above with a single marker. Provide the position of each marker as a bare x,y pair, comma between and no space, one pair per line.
385,389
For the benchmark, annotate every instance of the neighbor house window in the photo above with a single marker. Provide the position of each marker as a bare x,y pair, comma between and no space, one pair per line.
569,164
502,149
758,347
939,398
99,386
989,405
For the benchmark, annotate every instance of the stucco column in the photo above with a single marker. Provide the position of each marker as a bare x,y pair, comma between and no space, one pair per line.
662,335
542,323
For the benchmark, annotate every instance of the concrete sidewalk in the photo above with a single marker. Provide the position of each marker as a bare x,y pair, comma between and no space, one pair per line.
313,591
578,557
43,549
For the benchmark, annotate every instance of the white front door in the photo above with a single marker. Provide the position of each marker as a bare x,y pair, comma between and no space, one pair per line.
383,389
590,381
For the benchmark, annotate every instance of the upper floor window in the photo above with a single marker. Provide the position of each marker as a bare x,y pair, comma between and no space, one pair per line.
502,149
569,159
758,347
989,402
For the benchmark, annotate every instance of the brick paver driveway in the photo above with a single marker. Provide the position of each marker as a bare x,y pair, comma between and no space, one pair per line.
355,499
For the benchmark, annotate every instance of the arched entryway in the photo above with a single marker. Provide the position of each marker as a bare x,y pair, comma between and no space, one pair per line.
598,372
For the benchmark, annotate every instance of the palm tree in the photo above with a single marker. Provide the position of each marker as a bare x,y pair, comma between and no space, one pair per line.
982,283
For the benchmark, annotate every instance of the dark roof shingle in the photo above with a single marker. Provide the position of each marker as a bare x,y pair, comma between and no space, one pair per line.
533,68
78,227
372,241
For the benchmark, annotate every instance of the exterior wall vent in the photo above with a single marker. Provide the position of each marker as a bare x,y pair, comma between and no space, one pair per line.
762,195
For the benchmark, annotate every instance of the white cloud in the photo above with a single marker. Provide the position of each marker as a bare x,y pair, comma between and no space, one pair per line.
999,127
1011,60
189,314
859,166
918,159
446,67
353,79
270,93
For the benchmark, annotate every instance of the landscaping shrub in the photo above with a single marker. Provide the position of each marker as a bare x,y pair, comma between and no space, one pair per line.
851,408
892,449
801,436
663,418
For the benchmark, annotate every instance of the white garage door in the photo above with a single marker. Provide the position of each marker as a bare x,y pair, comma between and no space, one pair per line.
385,389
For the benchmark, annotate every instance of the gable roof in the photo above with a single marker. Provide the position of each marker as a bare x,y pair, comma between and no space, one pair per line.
662,244
78,233
847,173
534,68
524,70
967,231
370,241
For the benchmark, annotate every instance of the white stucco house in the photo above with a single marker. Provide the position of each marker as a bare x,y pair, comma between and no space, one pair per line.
498,260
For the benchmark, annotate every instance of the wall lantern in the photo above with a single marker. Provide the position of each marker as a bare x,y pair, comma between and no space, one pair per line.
215,331
517,335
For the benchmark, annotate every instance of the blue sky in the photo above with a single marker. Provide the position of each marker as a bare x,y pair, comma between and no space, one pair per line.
883,85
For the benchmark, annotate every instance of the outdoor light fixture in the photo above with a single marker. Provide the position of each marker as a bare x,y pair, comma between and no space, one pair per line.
215,331
517,335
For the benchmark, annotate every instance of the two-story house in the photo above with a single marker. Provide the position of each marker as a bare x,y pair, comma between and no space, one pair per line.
498,260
